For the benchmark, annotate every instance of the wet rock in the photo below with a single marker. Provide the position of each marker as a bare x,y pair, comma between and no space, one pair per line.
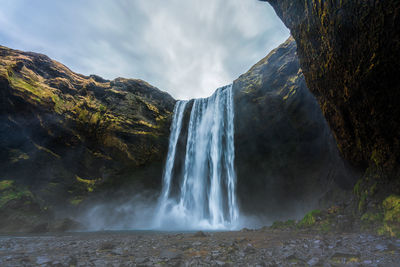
42,260
314,261
344,257
380,247
249,249
40,228
200,234
141,260
168,254
118,251
196,244
221,263
215,253
65,224
106,246
294,258
393,247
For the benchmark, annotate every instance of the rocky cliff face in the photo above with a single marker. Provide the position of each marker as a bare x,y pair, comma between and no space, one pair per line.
286,157
66,137
349,52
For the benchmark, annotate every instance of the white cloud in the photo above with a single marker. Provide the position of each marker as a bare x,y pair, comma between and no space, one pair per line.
185,47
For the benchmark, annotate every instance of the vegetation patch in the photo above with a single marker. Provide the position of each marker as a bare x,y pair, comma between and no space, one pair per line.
17,155
283,225
310,218
75,201
363,192
6,184
371,217
39,147
9,191
391,216
90,184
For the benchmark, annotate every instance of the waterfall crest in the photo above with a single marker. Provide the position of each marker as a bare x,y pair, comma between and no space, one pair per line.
205,195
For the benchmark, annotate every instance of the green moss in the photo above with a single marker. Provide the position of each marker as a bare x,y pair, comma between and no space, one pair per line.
13,193
95,118
326,227
391,206
9,191
75,201
376,157
391,216
356,188
361,202
384,230
362,194
102,108
39,147
370,217
83,115
151,107
22,84
17,155
58,103
283,225
6,184
37,92
89,184
309,219
373,189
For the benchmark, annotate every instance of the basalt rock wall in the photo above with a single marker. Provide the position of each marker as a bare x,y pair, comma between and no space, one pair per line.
286,158
65,137
349,52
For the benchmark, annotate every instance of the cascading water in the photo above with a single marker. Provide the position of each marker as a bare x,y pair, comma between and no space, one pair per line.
205,197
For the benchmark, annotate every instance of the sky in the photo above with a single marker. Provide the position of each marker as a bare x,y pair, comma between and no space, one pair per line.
185,47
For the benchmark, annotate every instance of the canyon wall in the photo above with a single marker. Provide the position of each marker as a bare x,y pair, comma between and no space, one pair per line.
286,157
64,137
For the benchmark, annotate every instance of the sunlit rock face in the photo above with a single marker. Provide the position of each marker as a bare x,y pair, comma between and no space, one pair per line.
350,55
68,136
286,157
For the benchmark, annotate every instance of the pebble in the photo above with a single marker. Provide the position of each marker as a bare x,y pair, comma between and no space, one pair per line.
42,260
380,247
313,261
167,254
200,234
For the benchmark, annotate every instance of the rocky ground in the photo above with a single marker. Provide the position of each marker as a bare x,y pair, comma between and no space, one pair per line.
266,247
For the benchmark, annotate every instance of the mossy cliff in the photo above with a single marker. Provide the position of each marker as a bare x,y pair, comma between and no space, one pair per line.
286,157
349,52
68,136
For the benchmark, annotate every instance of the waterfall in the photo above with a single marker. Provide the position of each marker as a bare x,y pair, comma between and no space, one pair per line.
205,195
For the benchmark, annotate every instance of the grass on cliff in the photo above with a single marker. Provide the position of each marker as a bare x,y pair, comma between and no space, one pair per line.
391,216
9,191
6,184
309,219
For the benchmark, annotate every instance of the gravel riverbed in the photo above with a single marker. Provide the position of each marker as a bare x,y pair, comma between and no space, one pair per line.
238,248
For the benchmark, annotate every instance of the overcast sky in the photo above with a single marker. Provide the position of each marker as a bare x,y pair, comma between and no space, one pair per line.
185,47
